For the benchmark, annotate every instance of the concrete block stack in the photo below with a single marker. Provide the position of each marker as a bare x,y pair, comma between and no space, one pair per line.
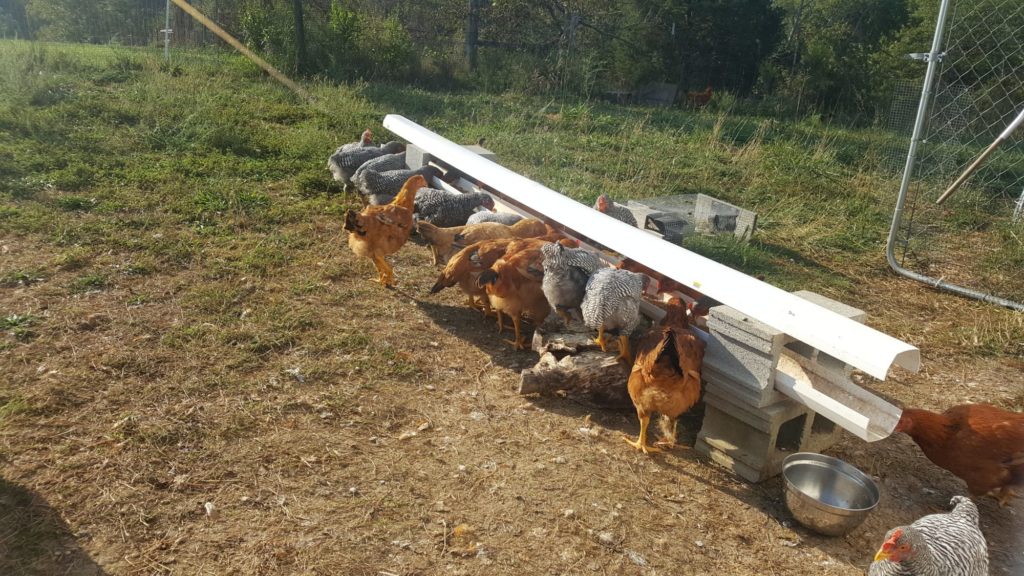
749,427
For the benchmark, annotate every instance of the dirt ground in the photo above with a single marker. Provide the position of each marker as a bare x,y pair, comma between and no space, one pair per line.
378,432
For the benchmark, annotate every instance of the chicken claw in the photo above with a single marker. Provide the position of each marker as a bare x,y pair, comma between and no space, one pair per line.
641,442
600,341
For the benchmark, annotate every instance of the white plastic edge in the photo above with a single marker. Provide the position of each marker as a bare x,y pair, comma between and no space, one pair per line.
854,343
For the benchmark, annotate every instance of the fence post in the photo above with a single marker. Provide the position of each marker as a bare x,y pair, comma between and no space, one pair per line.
167,31
472,33
300,38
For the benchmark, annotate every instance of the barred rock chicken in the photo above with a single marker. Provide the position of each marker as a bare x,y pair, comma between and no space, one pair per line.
702,303
379,231
506,218
666,375
344,163
949,544
444,208
619,212
513,286
365,141
381,187
566,271
383,163
464,269
980,443
612,304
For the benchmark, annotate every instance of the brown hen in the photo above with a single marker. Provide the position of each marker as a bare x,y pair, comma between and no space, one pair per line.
379,231
666,375
980,443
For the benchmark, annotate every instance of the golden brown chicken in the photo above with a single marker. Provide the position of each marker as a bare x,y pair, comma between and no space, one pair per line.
513,286
980,443
465,267
526,228
443,240
379,231
439,239
666,375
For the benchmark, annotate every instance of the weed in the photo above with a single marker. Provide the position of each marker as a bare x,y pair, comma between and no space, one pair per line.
21,278
88,283
76,203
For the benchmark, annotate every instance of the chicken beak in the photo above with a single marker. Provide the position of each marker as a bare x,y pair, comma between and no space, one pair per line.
881,555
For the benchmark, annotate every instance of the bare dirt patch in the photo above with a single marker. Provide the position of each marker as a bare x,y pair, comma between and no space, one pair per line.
304,420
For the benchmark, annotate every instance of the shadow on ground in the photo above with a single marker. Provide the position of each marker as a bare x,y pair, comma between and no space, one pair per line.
35,540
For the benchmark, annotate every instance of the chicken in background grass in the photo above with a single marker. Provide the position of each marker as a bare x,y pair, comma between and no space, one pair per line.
365,141
980,443
566,272
606,205
379,231
666,375
700,98
949,544
344,163
612,304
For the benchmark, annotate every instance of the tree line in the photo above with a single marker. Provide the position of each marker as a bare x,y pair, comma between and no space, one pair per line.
836,57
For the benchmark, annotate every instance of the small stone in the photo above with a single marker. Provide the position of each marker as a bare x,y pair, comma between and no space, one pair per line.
559,460
568,512
210,509
353,491
699,543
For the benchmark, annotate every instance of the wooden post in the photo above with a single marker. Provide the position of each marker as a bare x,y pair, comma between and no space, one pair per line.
472,33
300,38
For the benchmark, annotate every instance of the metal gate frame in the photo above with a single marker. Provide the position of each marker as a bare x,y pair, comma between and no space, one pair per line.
934,57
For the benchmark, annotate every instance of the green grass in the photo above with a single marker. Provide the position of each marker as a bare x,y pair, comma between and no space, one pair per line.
109,149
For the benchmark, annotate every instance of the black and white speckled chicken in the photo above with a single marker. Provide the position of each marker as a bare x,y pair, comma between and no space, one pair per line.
612,304
949,544
443,208
383,163
608,206
365,141
566,271
506,218
344,163
381,187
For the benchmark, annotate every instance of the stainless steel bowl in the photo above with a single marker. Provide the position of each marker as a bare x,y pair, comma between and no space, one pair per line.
826,494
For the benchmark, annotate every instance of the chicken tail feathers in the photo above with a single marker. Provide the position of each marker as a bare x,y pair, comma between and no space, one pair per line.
352,222
487,277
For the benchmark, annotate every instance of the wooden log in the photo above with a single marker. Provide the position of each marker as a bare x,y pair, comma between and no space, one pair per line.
591,372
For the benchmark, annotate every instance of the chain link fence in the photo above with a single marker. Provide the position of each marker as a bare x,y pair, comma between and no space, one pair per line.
974,243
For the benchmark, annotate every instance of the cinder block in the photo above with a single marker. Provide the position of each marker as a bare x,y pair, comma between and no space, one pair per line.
749,427
753,442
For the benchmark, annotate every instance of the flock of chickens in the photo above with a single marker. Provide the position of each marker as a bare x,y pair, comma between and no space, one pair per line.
525,269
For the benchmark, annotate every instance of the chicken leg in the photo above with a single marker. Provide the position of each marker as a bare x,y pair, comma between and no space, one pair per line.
387,274
600,341
564,314
641,441
519,343
624,350
501,321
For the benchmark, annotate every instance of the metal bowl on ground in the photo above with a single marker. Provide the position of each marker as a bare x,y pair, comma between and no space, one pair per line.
826,494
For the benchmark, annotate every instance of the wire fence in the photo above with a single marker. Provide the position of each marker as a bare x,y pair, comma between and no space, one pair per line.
974,241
